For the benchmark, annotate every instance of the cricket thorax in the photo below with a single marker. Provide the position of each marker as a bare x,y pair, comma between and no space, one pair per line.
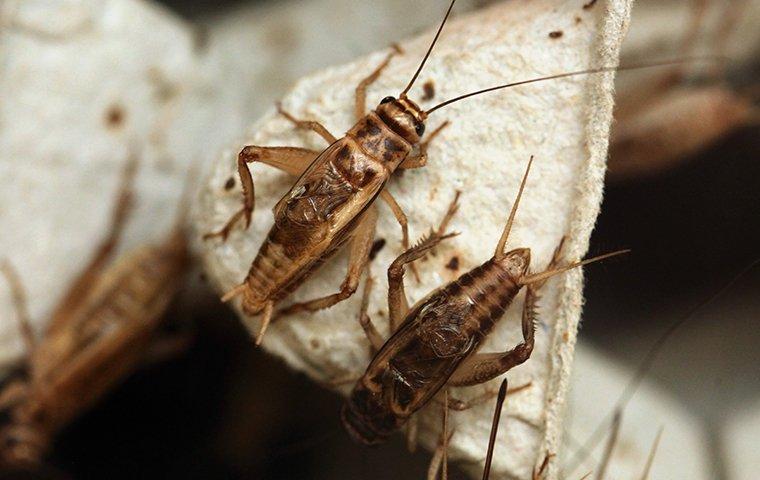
377,140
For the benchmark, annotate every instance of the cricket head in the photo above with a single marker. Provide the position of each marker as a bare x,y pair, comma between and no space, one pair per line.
516,263
404,117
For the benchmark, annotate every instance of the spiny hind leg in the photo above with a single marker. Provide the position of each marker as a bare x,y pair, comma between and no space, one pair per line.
398,304
312,125
419,158
361,244
482,367
290,160
360,99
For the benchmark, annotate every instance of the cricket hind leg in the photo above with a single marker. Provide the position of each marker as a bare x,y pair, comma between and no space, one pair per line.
360,98
290,160
398,305
361,244
312,125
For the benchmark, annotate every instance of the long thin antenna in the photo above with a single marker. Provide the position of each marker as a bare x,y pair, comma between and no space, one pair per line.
610,447
430,49
571,74
494,428
539,277
652,452
649,358
505,234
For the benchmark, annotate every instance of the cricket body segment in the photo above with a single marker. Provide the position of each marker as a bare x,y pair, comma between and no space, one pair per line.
438,334
96,337
329,201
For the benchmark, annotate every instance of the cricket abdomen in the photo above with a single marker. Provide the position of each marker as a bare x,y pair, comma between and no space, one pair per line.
416,362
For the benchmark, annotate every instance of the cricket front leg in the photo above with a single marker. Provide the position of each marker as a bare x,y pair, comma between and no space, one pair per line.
360,100
482,367
398,305
290,160
419,158
361,244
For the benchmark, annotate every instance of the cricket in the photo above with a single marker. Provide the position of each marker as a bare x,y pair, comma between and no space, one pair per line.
331,204
434,343
97,335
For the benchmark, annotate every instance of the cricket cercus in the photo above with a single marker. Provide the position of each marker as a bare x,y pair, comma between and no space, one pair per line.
434,343
331,203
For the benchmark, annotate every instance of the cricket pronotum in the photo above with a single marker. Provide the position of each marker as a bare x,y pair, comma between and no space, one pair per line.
332,202
95,337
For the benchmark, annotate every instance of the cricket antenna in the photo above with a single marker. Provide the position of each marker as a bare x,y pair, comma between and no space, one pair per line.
570,74
499,253
494,428
539,277
430,49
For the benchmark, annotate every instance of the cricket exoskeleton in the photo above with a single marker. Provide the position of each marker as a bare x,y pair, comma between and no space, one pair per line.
332,202
434,343
97,335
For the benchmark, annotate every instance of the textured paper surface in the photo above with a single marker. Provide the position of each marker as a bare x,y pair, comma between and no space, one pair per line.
484,153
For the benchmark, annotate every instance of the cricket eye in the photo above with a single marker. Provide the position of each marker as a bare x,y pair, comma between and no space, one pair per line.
420,129
387,99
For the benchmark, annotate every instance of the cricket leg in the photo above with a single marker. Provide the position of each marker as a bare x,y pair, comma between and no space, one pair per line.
412,427
290,160
386,196
419,158
375,339
358,258
439,462
398,305
360,100
312,125
461,405
13,394
18,296
84,283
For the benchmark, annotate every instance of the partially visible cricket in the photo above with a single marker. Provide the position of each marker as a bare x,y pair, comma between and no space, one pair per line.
662,122
332,201
96,336
434,343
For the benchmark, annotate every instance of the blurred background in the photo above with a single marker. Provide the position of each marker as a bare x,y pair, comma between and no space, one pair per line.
224,409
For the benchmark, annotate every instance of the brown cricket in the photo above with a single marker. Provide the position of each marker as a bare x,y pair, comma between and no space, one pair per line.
96,335
434,344
332,201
